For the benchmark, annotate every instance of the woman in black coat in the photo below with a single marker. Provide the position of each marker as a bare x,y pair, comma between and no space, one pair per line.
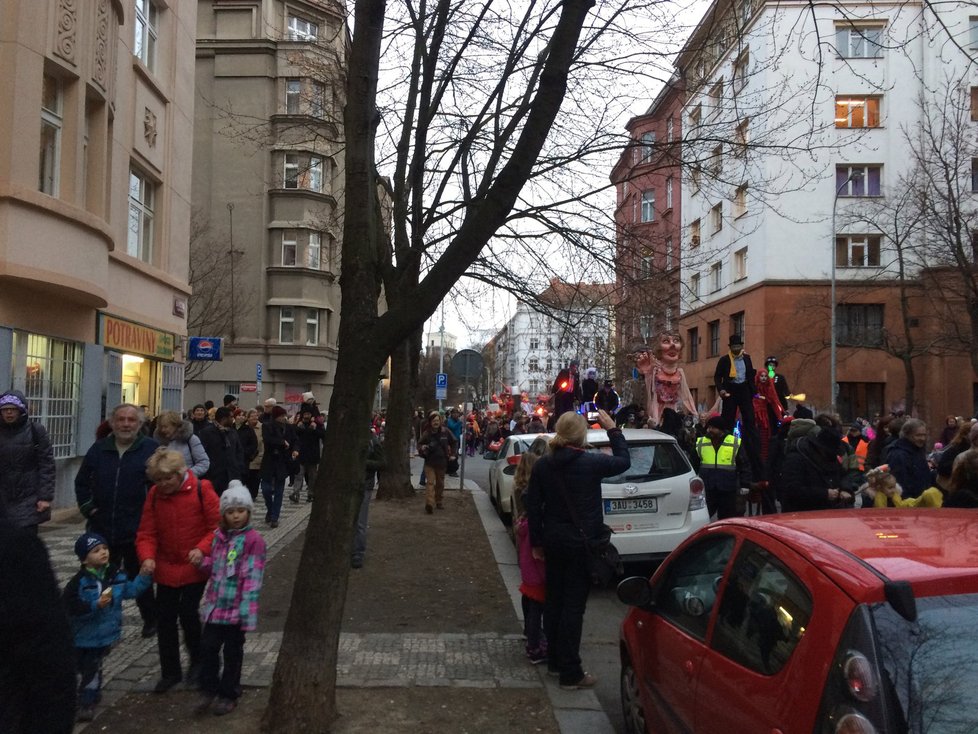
563,505
27,461
278,438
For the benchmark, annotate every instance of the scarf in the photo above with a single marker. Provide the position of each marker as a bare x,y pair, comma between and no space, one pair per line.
733,366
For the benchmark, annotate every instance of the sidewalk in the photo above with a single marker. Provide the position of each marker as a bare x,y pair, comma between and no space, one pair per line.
366,660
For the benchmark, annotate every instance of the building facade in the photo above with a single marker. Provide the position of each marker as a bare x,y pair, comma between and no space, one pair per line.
268,197
648,222
94,211
802,128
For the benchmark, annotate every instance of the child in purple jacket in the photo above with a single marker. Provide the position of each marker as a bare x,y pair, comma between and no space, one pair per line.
230,607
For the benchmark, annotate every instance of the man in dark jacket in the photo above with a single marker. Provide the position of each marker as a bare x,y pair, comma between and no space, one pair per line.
27,461
811,474
723,468
907,457
566,391
376,461
223,448
37,672
734,380
309,436
111,487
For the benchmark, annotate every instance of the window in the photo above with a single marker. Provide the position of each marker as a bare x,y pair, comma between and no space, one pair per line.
746,10
694,233
973,25
312,327
648,205
856,42
648,143
716,160
534,365
716,217
289,247
317,99
764,612
534,342
49,373
740,72
670,257
669,130
293,95
301,29
550,364
716,276
696,177
740,264
303,172
740,201
534,386
52,100
860,398
858,180
645,326
738,324
715,98
740,139
857,251
974,175
669,183
142,191
696,115
974,104
286,325
714,328
147,26
859,324
645,268
314,251
694,285
693,344
854,112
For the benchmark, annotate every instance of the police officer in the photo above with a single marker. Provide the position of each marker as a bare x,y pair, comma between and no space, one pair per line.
723,467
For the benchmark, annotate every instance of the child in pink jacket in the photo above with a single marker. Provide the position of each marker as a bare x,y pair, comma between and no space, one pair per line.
532,571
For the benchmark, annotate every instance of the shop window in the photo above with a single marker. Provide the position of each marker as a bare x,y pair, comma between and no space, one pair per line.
52,102
49,373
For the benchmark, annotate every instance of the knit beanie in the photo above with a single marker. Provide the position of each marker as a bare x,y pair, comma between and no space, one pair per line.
278,410
10,400
236,495
87,543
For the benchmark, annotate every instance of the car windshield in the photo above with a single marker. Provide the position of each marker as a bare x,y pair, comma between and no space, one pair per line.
932,664
650,461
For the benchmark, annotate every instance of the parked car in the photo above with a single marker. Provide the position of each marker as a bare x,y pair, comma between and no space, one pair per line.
503,471
854,621
651,508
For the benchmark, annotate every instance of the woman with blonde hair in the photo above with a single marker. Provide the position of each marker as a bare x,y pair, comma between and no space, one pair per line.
177,434
564,511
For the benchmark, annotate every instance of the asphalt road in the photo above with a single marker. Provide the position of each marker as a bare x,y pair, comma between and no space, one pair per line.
599,646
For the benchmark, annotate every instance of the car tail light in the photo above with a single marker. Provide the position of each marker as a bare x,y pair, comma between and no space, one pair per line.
854,701
697,494
513,460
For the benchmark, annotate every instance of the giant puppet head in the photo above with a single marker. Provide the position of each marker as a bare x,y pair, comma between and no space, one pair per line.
669,348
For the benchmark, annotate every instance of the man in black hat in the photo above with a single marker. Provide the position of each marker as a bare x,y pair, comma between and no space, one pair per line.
734,380
566,390
811,474
780,383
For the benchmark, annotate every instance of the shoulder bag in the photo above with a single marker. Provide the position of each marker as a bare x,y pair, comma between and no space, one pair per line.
603,560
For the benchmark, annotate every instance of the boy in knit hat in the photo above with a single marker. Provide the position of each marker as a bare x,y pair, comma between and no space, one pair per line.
236,563
93,599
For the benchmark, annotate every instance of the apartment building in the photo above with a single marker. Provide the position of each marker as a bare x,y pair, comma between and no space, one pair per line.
801,127
268,197
648,221
94,210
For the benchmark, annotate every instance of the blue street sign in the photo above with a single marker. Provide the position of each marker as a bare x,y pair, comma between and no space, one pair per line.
441,380
258,372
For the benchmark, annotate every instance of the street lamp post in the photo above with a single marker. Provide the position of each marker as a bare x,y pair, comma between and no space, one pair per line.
853,175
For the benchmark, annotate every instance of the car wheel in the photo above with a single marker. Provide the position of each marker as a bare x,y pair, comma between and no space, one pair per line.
492,493
631,703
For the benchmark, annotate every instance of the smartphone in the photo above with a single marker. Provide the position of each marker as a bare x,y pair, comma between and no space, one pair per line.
590,411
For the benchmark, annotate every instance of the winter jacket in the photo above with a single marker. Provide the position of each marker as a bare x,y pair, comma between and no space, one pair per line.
28,472
454,425
251,445
806,478
37,677
376,460
227,459
533,572
574,475
277,460
187,443
111,490
231,597
437,447
175,524
309,440
909,465
91,626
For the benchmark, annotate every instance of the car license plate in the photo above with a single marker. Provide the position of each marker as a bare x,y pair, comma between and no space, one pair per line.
638,504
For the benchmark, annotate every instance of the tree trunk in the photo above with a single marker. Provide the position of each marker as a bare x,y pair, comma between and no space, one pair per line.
395,480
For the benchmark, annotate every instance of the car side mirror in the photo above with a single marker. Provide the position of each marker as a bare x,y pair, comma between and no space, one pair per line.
635,591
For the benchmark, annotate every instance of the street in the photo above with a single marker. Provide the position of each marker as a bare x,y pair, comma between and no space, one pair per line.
599,647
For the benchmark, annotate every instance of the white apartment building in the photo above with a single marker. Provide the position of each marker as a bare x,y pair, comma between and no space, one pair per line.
799,120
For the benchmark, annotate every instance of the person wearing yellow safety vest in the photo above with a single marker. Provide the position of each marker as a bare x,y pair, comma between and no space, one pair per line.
723,467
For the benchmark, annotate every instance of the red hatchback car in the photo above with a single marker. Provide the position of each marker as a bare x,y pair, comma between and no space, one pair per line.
845,622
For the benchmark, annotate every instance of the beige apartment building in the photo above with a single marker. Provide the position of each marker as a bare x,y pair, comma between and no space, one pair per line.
267,197
95,180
